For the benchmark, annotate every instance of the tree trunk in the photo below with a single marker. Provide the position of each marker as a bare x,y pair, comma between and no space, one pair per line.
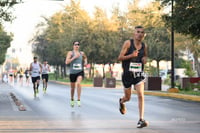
65,75
197,65
111,70
56,72
62,71
92,69
158,68
104,71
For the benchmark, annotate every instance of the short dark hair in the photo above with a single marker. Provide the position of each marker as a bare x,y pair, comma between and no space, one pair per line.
34,57
75,42
138,27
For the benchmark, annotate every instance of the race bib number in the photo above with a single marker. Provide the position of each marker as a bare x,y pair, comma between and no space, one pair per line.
135,67
35,72
77,66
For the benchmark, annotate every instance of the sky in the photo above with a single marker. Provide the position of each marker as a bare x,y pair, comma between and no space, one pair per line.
28,15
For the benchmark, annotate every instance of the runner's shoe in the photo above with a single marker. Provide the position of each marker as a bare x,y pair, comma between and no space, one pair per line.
72,103
44,90
35,95
122,107
79,103
142,123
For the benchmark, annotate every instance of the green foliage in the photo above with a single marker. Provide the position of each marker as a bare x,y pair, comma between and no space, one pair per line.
191,45
5,40
190,92
5,15
186,18
167,81
190,89
101,38
189,72
181,63
149,16
150,70
5,9
158,43
96,36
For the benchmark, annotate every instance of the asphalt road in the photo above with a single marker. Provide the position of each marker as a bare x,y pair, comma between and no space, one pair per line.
98,112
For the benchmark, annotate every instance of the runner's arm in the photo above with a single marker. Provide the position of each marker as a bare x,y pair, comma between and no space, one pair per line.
69,58
40,68
144,58
30,68
49,68
84,58
124,49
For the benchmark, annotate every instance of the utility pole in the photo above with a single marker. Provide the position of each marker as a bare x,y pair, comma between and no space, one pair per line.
172,45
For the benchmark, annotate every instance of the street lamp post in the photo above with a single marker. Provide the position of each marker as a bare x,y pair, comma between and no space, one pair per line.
172,45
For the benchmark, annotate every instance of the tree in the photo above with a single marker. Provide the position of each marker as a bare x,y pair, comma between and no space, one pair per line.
5,15
158,43
195,49
186,16
149,16
5,12
5,40
61,30
100,37
192,45
104,40
47,44
157,38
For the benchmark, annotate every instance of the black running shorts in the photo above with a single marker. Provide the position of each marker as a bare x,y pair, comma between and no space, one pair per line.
73,77
34,79
46,77
128,78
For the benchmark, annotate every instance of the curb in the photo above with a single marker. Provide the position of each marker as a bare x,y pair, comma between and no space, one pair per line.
67,83
83,85
153,93
173,95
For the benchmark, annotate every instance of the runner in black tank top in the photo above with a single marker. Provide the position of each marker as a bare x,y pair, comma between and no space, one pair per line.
138,59
133,56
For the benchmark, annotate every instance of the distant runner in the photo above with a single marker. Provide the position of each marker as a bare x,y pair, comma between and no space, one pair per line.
45,75
77,59
36,69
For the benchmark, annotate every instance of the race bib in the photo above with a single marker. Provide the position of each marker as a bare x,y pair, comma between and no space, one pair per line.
35,72
135,67
77,66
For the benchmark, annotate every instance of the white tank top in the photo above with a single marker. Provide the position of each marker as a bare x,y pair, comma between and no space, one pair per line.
35,70
45,69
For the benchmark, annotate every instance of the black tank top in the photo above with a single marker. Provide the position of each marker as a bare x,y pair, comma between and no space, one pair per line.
138,59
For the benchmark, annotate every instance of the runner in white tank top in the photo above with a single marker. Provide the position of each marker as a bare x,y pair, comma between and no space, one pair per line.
35,72
45,75
35,69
